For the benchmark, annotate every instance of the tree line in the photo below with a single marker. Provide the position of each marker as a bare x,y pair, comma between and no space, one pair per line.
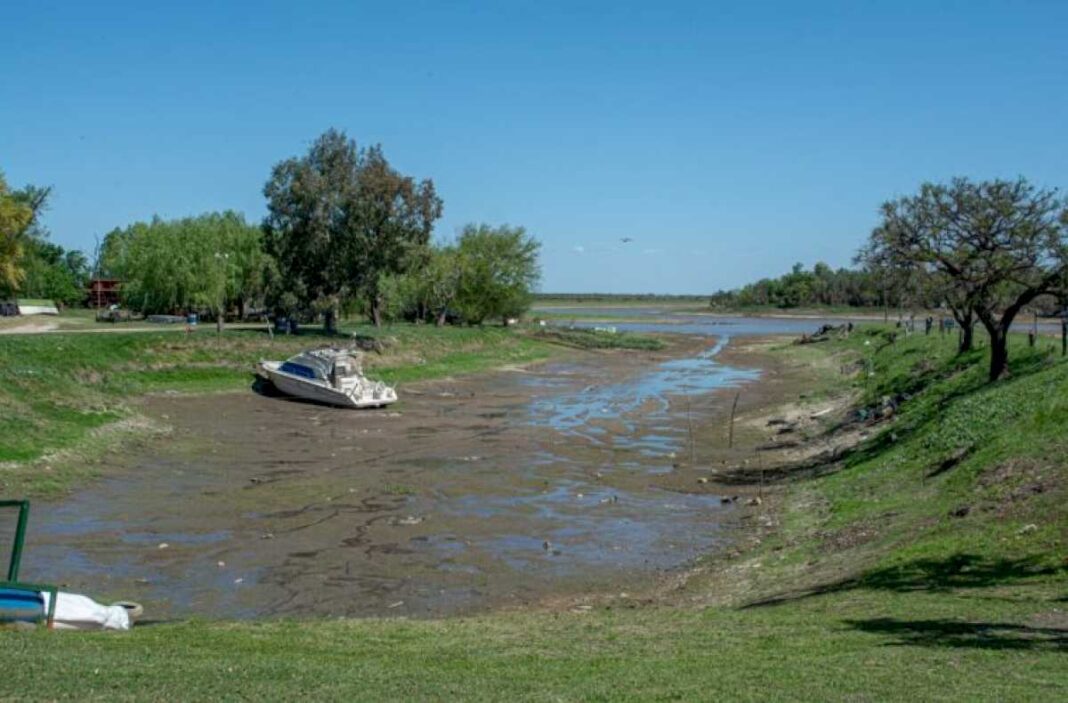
822,286
345,232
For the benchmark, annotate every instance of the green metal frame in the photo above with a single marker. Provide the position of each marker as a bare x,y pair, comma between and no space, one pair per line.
12,581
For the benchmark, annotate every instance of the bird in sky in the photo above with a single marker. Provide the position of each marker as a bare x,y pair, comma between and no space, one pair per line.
626,240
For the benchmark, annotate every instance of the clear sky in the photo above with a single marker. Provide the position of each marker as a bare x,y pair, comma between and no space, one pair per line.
727,139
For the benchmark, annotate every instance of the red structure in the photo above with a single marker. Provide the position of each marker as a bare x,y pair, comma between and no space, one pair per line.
103,292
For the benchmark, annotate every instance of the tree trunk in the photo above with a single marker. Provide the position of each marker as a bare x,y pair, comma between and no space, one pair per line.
330,321
376,311
439,321
967,337
966,321
999,353
218,322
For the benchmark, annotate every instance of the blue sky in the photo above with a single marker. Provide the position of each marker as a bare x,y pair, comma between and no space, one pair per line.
728,140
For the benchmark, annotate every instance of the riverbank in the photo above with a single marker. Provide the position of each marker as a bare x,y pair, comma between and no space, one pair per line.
909,544
67,400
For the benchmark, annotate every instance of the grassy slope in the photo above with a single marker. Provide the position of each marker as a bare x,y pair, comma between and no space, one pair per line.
966,489
876,587
65,397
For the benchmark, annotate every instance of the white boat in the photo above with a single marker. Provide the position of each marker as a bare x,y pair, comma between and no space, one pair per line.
332,376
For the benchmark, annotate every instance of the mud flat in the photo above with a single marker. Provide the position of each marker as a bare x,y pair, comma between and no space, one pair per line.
494,490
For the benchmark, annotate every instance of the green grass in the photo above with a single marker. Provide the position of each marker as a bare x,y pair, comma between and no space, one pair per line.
61,394
901,648
966,487
598,339
874,585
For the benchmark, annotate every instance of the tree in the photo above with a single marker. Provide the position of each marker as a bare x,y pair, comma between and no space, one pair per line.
19,226
996,245
441,282
52,273
340,219
213,261
498,272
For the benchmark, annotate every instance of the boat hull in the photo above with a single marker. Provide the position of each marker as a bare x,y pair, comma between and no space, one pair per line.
315,391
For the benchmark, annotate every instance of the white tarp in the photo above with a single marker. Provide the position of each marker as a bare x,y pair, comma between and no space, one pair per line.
74,612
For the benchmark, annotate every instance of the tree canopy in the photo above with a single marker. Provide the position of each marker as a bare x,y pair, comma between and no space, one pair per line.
340,219
991,248
499,270
213,261
489,273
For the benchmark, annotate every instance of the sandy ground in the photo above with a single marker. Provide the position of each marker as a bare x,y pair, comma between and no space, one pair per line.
582,475
29,325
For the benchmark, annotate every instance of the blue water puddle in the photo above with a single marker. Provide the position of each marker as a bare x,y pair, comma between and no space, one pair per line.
640,405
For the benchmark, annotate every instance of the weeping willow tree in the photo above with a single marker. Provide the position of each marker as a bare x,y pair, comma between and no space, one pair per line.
211,262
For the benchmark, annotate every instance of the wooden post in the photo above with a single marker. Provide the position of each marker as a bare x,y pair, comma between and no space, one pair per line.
689,424
730,434
1064,336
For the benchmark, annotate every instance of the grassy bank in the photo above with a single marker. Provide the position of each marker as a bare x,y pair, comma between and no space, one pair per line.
598,339
65,398
964,486
928,563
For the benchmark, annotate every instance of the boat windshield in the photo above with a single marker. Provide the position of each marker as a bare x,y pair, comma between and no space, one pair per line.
319,363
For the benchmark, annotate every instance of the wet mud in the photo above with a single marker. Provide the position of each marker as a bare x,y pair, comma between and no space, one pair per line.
479,492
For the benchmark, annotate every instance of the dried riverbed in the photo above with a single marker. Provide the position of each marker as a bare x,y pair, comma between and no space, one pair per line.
499,489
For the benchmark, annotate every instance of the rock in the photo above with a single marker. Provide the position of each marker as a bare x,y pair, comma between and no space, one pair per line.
755,500
702,480
163,545
1031,527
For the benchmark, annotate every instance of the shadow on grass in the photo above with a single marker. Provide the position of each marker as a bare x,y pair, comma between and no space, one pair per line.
933,576
952,633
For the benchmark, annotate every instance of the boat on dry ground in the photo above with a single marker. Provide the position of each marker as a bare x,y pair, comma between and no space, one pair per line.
331,376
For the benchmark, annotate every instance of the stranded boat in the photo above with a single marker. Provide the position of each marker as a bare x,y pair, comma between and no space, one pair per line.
332,376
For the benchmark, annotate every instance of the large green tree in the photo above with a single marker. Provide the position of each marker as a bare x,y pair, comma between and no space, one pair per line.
998,246
53,273
341,219
498,272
